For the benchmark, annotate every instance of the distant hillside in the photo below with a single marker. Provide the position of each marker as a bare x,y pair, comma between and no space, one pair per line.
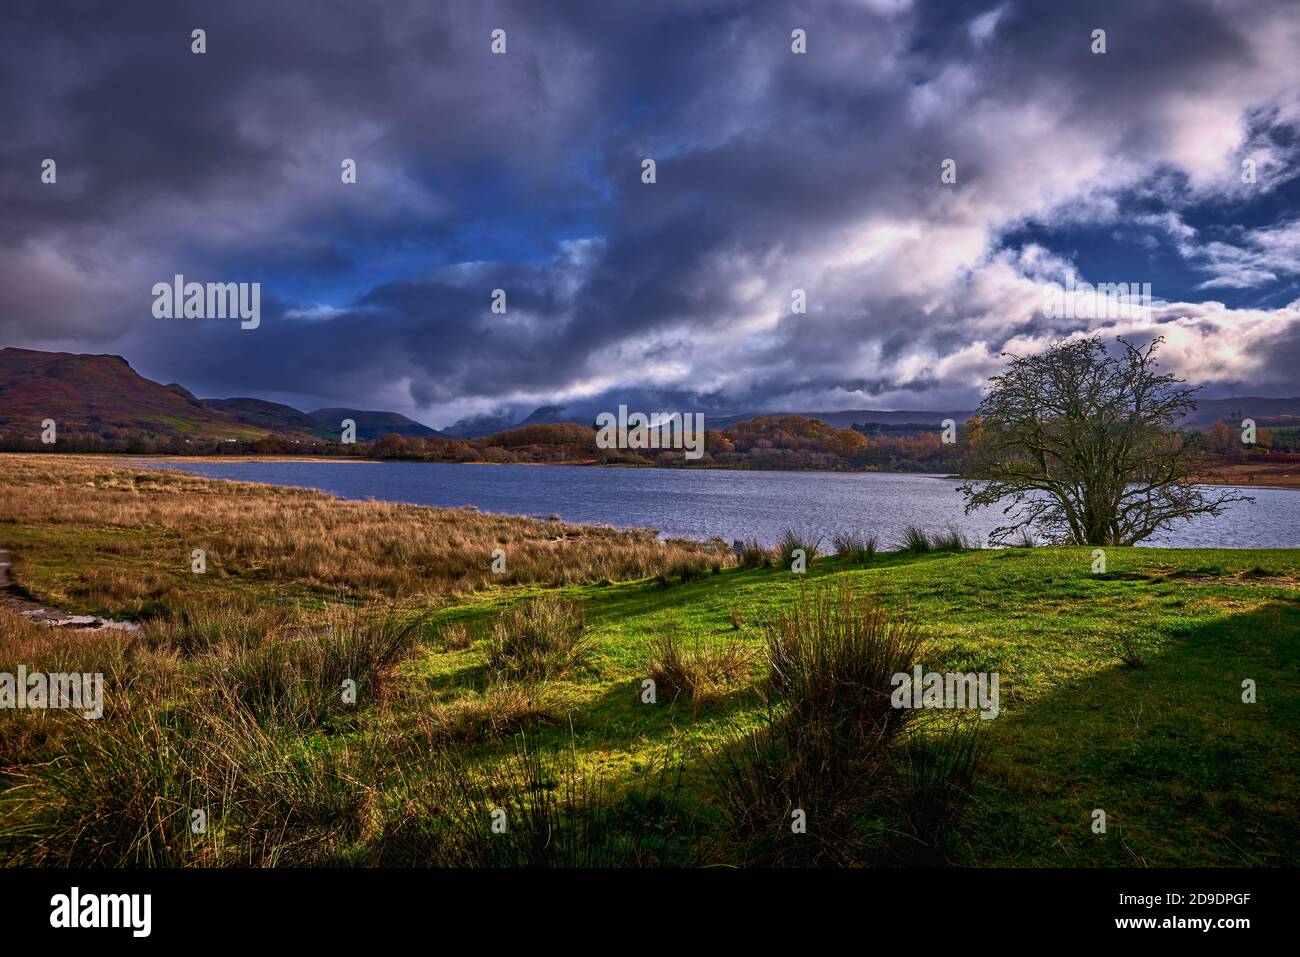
271,416
847,418
371,425
102,393
478,426
1267,413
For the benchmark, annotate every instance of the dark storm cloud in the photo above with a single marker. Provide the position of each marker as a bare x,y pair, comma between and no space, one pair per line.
522,172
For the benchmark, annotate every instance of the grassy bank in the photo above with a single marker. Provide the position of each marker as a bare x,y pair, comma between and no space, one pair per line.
524,693
1260,475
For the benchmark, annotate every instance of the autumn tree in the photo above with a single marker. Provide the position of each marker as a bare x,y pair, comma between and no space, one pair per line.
390,446
1079,444
1220,438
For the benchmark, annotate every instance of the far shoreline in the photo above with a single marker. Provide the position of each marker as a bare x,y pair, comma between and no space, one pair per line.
1245,476
1233,475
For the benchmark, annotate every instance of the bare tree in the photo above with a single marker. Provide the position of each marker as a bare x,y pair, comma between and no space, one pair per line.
1080,446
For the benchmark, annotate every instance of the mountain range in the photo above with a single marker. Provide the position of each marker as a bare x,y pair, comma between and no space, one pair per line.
99,393
478,426
1268,413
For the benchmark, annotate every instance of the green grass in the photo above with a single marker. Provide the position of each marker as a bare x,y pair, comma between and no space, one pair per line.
1186,773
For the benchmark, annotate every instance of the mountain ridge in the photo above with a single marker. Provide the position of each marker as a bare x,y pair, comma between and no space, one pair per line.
102,393
1266,412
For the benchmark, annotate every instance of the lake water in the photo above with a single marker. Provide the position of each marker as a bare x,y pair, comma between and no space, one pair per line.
701,503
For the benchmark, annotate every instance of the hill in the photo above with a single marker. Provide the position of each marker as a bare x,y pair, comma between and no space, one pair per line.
1267,413
101,394
481,425
477,426
371,425
271,416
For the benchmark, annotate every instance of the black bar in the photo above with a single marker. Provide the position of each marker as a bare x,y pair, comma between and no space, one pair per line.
347,907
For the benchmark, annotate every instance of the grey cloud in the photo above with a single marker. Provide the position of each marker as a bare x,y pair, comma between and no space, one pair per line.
227,164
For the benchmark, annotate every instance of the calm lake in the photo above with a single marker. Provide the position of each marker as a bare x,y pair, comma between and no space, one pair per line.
702,503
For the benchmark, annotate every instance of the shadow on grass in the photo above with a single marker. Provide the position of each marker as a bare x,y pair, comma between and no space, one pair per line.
1186,773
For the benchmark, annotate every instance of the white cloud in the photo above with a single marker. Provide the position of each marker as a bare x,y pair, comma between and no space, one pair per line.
985,25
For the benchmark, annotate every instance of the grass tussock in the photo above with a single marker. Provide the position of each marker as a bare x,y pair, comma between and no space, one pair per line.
855,547
795,790
337,667
695,671
684,571
118,795
832,657
544,638
203,784
455,636
933,798
130,668
917,541
754,555
792,541
193,628
952,540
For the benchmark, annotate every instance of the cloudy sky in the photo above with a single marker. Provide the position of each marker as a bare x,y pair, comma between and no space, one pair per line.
775,171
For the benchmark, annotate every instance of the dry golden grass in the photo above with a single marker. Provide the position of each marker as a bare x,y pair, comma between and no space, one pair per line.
229,698
264,535
1261,474
454,636
205,708
131,670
